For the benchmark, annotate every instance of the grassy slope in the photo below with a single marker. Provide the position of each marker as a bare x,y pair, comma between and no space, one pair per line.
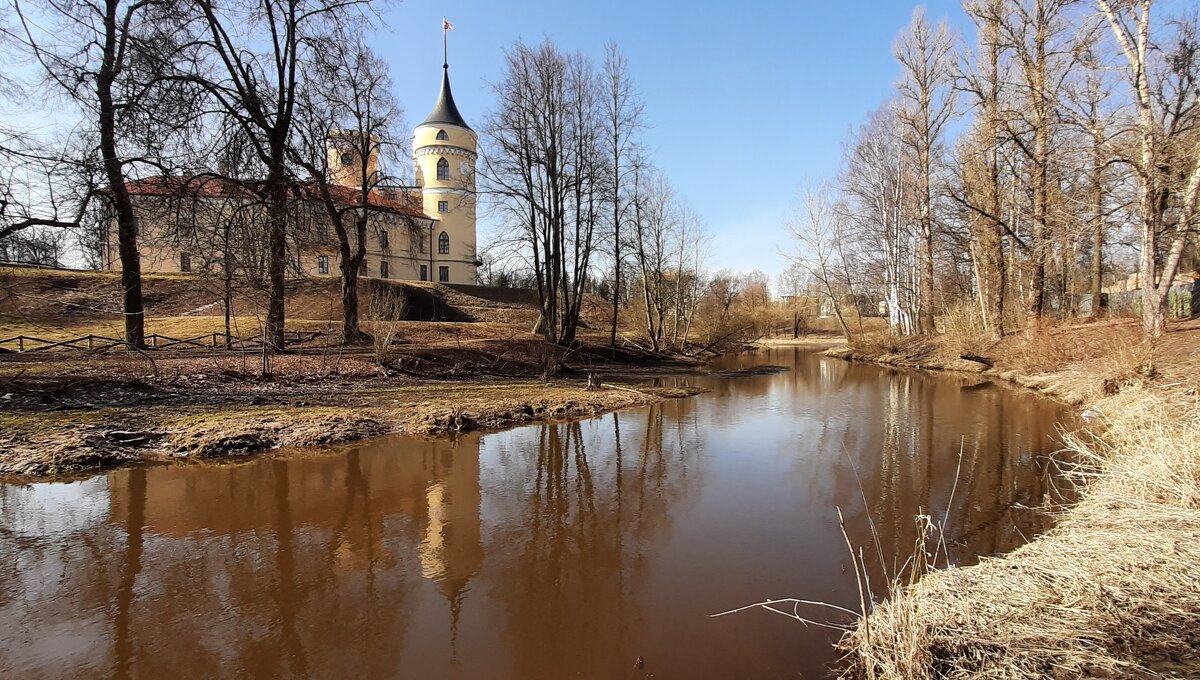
66,411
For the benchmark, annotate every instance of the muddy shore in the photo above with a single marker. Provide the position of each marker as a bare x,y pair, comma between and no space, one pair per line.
66,419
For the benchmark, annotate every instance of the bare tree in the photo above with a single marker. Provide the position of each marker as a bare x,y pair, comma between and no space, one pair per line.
818,230
622,116
1163,83
108,59
255,83
1046,46
547,169
347,113
979,162
1091,109
654,219
874,190
46,190
927,104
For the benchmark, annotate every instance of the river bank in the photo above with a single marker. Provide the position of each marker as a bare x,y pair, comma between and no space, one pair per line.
1114,589
64,415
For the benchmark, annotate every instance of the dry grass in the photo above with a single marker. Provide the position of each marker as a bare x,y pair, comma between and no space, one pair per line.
173,326
1119,344
1112,591
963,331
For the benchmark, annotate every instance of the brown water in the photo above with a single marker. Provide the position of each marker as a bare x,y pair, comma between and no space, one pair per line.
562,550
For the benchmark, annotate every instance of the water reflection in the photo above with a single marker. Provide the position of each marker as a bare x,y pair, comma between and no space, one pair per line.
563,549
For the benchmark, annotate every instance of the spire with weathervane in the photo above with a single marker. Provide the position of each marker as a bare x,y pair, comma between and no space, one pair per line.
445,112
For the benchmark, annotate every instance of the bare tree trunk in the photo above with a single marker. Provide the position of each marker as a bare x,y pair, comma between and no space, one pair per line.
351,331
273,332
1096,273
127,225
1130,23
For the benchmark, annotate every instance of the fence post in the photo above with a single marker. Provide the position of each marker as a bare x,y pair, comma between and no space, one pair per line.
89,339
20,343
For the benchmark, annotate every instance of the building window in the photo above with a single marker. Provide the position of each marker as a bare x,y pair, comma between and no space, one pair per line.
364,269
383,238
421,244
444,244
185,262
347,159
322,264
442,136
443,206
443,169
383,269
443,274
424,272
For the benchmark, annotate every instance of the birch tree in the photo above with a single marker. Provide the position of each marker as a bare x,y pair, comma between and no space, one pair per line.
873,183
818,230
1162,77
926,106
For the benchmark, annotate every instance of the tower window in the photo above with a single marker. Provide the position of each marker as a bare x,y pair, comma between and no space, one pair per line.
424,272
347,159
442,136
444,274
383,269
444,244
443,169
322,264
185,262
443,206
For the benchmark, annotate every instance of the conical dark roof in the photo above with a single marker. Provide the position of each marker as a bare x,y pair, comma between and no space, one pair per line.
445,112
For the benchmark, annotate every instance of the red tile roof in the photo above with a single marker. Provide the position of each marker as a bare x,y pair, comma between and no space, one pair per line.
396,201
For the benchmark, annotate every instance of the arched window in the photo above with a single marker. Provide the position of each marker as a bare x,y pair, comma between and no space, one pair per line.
443,169
444,244
442,136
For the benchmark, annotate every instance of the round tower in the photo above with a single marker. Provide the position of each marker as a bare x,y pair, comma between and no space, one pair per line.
444,156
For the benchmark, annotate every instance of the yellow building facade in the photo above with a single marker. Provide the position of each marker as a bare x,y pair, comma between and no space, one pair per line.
424,232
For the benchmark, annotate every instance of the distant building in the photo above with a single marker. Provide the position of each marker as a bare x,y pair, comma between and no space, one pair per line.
424,232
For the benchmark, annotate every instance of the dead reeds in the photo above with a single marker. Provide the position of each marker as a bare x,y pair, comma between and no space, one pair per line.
1112,591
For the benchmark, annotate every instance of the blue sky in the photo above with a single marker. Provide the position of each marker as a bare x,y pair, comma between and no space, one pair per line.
743,99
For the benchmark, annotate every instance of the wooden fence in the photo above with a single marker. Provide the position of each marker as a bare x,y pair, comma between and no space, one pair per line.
154,341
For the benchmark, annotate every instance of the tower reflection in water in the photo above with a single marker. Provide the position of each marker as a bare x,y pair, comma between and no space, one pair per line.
546,551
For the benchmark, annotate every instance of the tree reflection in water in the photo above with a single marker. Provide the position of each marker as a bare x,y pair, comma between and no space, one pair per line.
548,551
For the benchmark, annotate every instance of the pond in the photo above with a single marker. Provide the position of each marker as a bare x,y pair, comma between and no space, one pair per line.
572,549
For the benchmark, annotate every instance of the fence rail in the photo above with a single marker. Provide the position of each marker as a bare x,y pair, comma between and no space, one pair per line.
23,344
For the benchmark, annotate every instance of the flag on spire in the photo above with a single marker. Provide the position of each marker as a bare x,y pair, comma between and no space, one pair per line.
446,25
